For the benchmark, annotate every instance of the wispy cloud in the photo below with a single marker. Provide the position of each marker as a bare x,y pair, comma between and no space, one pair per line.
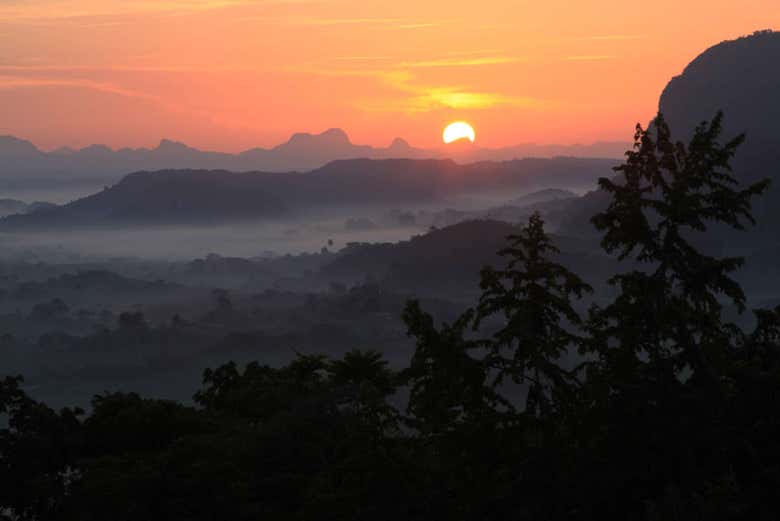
309,21
461,62
457,98
364,58
611,37
17,82
430,99
340,21
590,58
86,69
48,10
413,97
425,25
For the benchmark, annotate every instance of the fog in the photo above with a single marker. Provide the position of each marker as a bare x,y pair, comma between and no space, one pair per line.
309,233
258,239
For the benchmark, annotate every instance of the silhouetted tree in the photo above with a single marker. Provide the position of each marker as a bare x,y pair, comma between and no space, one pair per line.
659,384
365,383
668,192
39,451
533,295
132,321
448,385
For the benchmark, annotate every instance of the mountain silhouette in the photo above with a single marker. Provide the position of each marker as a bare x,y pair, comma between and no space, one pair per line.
740,78
21,160
331,138
399,144
218,196
444,260
11,147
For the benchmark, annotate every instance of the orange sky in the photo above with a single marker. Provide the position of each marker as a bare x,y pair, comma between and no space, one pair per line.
231,74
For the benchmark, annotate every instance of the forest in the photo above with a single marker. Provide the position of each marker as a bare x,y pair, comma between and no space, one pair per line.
541,399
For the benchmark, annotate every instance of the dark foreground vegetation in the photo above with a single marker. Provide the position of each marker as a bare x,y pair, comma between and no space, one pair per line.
652,406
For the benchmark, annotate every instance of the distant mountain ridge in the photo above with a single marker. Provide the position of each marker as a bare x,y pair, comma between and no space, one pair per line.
302,152
213,197
14,206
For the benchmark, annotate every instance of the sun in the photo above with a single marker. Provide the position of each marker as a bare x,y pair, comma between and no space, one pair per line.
457,131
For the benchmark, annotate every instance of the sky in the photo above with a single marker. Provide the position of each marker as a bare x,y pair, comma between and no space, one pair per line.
233,74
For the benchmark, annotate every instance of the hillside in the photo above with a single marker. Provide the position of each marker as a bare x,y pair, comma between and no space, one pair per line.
213,197
742,79
169,197
739,77
447,261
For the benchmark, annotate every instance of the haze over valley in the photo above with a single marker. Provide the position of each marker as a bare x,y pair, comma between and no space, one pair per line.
328,330
403,226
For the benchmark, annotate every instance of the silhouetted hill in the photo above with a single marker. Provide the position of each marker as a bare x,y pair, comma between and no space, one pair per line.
14,206
551,203
741,78
92,282
543,196
203,197
14,148
447,260
167,197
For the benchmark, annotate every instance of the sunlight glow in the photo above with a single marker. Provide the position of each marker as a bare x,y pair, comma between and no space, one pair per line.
458,130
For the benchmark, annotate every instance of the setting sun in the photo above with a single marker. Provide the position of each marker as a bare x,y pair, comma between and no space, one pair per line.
457,131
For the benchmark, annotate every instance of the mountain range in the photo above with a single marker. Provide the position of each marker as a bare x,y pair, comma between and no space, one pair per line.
302,152
218,196
737,77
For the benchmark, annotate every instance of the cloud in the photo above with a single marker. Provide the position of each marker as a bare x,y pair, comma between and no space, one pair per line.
458,60
49,10
18,82
309,21
456,98
339,21
425,25
461,62
611,37
364,58
415,98
412,97
588,58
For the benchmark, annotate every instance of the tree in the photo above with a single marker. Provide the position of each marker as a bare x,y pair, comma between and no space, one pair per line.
662,352
39,451
533,295
669,192
363,383
448,386
132,321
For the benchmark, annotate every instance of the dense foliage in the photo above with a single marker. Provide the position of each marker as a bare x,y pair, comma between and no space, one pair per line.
651,406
